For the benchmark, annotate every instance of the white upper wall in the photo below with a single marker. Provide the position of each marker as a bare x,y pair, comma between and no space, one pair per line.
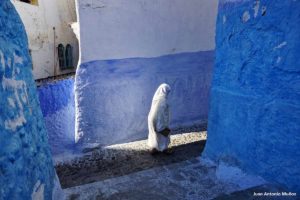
114,29
39,22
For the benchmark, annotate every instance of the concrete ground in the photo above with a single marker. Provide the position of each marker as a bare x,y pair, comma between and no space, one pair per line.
127,171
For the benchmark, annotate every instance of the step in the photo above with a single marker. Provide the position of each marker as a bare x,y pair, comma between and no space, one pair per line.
187,180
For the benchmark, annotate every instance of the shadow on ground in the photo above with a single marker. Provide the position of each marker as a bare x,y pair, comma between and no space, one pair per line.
101,164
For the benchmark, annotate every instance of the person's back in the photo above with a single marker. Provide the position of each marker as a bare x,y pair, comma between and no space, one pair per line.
158,121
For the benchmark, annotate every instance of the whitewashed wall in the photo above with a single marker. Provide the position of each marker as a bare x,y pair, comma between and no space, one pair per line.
39,22
128,48
113,29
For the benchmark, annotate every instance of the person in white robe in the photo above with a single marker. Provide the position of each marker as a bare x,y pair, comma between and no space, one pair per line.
158,121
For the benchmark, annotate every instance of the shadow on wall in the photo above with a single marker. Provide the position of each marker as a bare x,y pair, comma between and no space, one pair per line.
57,104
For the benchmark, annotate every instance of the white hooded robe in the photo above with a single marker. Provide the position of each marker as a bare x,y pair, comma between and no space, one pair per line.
158,119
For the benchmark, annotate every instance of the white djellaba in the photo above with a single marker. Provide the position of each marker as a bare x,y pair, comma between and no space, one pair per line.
158,119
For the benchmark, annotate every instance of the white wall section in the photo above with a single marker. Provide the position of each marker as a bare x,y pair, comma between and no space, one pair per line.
114,29
39,21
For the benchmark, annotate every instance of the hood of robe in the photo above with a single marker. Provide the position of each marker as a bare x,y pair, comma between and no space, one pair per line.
162,92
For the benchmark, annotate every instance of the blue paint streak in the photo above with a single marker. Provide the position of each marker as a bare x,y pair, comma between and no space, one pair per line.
255,98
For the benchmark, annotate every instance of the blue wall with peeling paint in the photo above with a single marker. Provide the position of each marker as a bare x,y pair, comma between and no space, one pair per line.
114,96
25,161
255,98
57,104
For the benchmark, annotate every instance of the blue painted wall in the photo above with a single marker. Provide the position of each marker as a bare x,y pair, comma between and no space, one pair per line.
255,97
114,96
25,160
57,104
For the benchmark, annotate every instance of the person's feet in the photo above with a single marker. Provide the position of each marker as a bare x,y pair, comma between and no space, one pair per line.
154,151
168,151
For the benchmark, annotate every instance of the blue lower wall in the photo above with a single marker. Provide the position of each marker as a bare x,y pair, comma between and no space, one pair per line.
114,96
57,104
26,169
255,97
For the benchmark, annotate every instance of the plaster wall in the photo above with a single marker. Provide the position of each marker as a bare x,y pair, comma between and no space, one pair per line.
254,113
140,28
114,96
39,21
26,168
57,105
128,48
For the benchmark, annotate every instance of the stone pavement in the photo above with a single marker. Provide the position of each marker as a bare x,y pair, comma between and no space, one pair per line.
194,179
127,171
117,160
184,180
